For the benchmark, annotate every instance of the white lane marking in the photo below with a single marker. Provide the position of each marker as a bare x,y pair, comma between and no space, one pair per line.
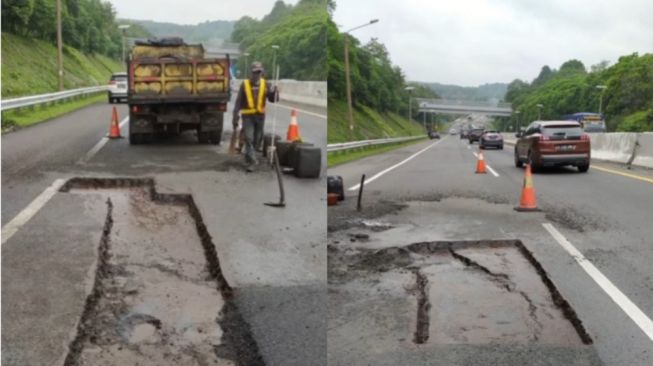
91,153
487,166
638,316
302,111
379,174
28,212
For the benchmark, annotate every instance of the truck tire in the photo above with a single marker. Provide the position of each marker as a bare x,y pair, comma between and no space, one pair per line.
283,150
215,137
202,137
336,185
267,141
308,161
293,154
136,138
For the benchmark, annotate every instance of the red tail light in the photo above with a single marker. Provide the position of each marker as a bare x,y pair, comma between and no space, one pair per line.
544,138
585,137
135,109
217,107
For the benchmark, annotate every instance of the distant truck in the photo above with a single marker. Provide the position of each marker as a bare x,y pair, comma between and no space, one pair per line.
173,88
590,122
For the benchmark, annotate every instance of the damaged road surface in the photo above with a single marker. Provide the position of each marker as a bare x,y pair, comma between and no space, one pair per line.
450,303
158,297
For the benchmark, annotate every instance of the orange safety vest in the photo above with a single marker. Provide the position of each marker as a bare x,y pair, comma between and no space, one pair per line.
259,107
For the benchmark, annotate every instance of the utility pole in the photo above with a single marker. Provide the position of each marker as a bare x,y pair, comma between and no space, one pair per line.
59,46
350,111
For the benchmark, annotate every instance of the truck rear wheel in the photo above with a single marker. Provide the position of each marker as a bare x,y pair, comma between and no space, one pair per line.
215,137
136,138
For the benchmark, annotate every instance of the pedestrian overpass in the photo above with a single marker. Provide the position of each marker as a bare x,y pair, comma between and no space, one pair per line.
447,106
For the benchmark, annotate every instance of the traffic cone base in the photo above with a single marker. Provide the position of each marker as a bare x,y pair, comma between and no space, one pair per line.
480,164
527,202
293,128
114,128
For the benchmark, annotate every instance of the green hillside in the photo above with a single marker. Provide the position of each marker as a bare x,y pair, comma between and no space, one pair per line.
627,99
207,33
29,66
369,124
300,33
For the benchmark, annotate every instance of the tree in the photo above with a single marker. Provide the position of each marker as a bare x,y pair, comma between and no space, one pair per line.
545,75
16,15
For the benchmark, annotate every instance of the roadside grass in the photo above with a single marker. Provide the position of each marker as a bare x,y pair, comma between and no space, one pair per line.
342,157
29,67
369,124
16,119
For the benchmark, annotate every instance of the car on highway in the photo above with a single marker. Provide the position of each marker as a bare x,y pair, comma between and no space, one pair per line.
553,143
491,138
452,132
117,87
475,134
434,135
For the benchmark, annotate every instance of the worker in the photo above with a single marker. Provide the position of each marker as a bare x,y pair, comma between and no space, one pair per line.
250,103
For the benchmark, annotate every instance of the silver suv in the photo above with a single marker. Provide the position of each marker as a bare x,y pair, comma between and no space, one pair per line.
118,87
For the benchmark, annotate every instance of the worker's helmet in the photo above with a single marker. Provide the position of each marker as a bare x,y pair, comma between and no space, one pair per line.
257,66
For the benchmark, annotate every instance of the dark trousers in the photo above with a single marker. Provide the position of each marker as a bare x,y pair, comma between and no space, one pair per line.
253,126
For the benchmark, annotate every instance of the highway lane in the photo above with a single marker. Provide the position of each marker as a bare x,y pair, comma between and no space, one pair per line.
605,216
276,265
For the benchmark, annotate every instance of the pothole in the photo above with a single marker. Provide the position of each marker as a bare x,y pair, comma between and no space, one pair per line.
464,293
159,296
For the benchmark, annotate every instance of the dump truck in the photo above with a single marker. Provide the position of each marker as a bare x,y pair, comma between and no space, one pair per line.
173,87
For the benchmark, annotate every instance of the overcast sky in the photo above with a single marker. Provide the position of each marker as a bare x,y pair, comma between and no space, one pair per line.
471,42
192,11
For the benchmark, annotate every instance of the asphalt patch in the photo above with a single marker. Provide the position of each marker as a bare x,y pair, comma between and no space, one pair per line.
142,283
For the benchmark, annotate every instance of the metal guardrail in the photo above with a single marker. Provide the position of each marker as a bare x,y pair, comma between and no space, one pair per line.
356,144
31,100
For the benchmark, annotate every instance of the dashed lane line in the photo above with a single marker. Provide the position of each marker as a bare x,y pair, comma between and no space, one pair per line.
95,149
381,173
637,315
32,209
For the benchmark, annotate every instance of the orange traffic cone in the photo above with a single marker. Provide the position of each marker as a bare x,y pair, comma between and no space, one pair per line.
293,128
527,203
114,129
480,164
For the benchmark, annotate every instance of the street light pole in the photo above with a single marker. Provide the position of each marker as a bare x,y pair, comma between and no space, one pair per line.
602,87
539,111
274,59
350,111
123,27
59,45
517,128
246,54
410,102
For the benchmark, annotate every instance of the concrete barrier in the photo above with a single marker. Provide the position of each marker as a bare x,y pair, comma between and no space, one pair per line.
615,146
304,92
644,151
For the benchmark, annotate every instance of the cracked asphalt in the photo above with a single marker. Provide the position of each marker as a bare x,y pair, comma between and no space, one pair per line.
436,197
274,260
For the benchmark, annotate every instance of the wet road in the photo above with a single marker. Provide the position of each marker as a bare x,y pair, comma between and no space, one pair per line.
273,259
605,216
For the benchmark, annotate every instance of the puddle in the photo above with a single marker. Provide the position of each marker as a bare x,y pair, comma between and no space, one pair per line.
159,296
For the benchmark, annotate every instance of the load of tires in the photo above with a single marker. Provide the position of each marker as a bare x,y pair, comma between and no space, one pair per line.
303,159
